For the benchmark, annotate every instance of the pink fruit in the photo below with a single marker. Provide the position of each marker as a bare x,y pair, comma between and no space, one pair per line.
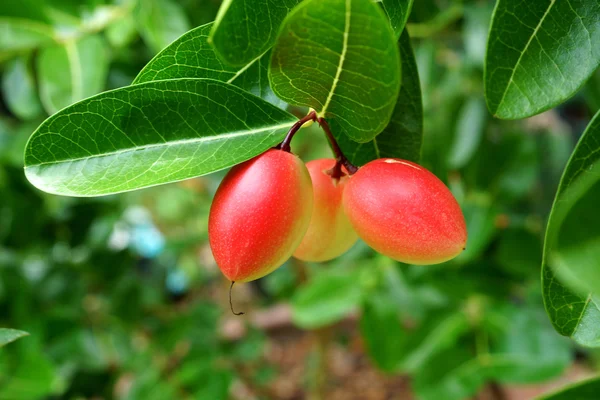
405,212
259,215
330,233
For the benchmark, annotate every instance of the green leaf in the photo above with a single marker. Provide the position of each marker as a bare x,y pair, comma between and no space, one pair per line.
161,22
191,56
539,54
10,335
71,71
403,135
571,255
584,390
397,12
326,299
149,134
245,29
21,35
469,132
341,59
20,93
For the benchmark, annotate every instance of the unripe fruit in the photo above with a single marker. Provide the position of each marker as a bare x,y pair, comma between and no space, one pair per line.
405,212
259,215
330,233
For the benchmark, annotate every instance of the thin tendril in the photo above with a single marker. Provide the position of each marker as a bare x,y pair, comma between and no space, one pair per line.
230,303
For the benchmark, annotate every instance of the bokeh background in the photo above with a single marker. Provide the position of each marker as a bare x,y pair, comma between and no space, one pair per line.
123,300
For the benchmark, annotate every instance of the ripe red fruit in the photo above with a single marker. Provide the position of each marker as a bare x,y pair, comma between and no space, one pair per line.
259,215
405,212
330,233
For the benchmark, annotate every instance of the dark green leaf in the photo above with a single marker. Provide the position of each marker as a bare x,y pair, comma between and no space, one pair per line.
571,251
191,56
583,390
10,335
397,11
469,131
20,93
539,54
161,22
341,59
20,35
403,136
326,299
148,134
245,29
71,71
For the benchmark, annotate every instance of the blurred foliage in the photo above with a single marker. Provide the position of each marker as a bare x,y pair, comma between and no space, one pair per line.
120,294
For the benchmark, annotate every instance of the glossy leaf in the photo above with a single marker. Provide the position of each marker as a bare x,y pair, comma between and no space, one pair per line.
583,390
397,12
18,86
161,22
326,299
245,29
191,56
571,252
71,71
10,335
340,58
148,134
20,35
403,136
539,54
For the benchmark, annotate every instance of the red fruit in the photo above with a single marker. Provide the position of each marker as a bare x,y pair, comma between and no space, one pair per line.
330,233
405,212
259,215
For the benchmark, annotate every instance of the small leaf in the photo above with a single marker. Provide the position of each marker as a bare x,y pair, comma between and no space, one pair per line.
20,35
341,59
583,390
148,134
539,54
245,29
397,12
326,299
161,22
191,56
469,131
403,135
571,251
10,335
20,93
72,71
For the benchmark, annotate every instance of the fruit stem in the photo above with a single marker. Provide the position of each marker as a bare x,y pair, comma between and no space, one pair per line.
231,303
340,158
285,145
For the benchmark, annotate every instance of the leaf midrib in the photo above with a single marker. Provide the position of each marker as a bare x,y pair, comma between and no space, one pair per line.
340,67
167,144
533,35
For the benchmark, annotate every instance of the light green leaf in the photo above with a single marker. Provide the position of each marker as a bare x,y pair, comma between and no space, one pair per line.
10,335
571,253
161,22
340,58
245,29
20,93
539,54
469,131
21,35
191,56
148,134
584,390
397,12
71,71
403,135
326,299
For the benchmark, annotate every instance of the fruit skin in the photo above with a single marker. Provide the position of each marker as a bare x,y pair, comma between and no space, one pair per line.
259,215
405,212
330,233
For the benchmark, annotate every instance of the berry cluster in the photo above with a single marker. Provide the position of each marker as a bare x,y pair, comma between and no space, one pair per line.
274,206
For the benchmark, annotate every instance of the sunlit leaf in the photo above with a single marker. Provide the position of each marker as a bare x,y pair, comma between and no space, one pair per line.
10,335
